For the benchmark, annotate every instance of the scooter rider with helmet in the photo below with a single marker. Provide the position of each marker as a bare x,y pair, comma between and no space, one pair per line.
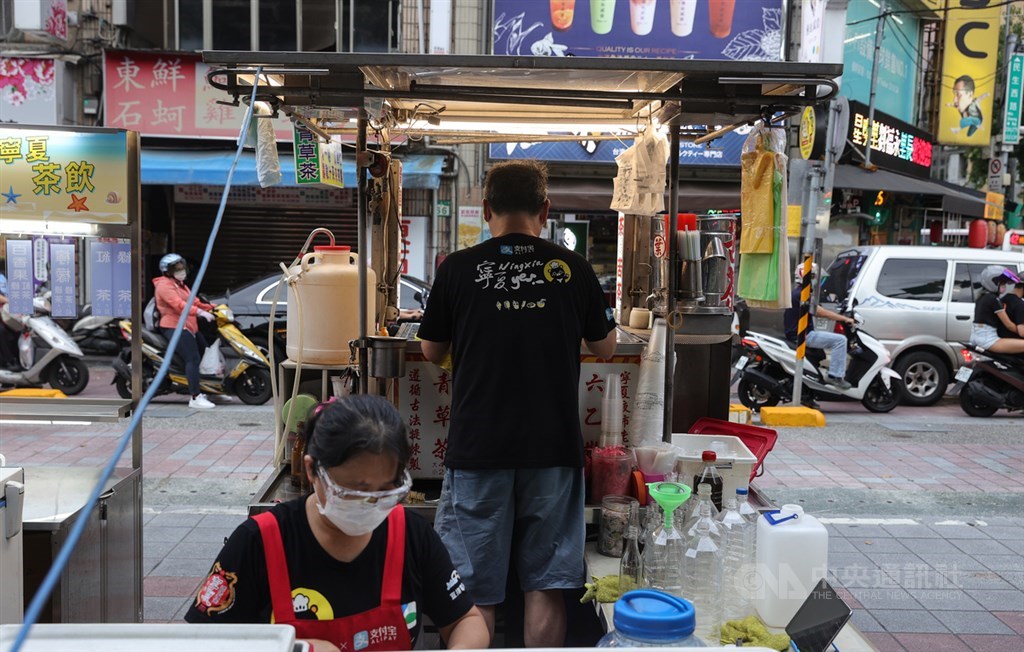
990,313
171,297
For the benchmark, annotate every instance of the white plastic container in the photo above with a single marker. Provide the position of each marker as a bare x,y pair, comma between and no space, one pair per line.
792,557
165,637
734,464
328,292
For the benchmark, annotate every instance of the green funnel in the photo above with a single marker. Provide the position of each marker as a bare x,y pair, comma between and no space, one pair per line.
669,496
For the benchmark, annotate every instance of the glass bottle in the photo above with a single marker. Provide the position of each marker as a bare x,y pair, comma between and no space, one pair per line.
631,566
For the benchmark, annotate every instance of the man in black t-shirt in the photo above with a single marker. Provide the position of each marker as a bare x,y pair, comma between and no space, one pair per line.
1013,301
512,311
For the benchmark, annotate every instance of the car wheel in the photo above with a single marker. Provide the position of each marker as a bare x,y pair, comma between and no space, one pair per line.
924,378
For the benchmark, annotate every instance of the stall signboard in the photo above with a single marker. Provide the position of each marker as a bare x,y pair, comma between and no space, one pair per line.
62,281
63,175
413,250
1014,99
897,59
111,272
20,289
425,403
724,151
812,28
895,145
971,44
317,163
167,94
748,30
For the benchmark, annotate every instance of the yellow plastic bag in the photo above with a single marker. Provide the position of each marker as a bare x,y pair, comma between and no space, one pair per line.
756,202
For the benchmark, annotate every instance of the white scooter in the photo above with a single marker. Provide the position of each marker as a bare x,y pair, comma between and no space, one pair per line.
60,364
767,365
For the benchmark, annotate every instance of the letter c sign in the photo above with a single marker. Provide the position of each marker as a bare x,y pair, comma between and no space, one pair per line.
961,39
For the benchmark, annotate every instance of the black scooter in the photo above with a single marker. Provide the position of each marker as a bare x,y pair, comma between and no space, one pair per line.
994,381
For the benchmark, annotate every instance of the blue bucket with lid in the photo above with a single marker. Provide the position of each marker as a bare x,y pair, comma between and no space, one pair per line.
649,615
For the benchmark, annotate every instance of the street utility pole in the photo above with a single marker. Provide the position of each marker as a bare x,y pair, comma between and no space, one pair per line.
879,33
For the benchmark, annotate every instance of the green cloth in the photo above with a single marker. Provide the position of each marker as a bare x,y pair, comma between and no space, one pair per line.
605,589
753,633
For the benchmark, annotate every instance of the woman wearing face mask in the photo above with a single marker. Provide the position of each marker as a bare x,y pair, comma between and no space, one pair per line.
990,313
171,295
346,565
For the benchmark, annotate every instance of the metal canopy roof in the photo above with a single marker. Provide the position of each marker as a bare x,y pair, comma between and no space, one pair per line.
443,90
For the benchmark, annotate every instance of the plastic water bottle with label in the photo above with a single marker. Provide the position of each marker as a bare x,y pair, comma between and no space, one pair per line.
737,554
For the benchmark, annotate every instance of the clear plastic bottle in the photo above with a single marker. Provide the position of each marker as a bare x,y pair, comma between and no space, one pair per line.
631,566
737,556
710,475
648,618
702,576
663,554
699,502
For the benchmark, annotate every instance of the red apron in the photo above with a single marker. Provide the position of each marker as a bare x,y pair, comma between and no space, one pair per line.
380,628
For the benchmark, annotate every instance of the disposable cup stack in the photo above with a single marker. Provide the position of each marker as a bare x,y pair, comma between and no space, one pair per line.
611,412
648,418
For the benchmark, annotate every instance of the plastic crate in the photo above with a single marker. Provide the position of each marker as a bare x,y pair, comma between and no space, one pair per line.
760,441
735,461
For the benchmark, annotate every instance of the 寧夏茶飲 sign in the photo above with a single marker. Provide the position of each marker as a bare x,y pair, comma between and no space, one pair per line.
64,175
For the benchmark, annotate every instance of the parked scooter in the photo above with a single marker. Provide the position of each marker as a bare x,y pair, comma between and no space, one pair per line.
247,372
767,366
101,335
46,353
994,381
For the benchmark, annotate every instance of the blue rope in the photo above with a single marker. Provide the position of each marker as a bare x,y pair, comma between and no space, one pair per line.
53,576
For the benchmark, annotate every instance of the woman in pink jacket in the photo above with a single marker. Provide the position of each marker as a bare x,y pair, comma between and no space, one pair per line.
171,295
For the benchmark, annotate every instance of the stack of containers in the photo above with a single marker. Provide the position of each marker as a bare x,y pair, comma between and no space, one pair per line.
611,464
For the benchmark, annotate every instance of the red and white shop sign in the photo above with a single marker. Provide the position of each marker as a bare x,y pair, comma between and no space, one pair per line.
166,94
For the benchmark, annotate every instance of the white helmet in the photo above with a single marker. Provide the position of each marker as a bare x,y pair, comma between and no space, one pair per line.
994,275
168,261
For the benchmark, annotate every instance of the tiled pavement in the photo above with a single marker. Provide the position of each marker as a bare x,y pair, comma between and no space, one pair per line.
915,584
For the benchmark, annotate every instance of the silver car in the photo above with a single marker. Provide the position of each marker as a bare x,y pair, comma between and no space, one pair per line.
919,301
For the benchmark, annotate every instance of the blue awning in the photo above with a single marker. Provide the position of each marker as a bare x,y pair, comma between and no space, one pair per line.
174,167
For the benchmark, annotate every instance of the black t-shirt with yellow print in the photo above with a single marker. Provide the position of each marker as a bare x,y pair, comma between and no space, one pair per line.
237,589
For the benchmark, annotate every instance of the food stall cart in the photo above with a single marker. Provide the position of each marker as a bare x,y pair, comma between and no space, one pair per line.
72,204
498,99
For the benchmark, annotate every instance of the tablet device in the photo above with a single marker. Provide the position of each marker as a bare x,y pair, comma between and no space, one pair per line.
818,620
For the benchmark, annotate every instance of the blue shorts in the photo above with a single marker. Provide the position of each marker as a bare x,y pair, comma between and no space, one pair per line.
532,516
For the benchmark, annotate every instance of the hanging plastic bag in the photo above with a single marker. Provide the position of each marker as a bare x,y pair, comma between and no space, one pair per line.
261,136
213,363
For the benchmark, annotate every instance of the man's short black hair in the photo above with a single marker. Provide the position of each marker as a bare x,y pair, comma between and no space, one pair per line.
967,81
516,187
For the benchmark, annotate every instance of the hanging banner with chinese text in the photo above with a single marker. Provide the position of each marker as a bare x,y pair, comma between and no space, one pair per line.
121,278
102,273
19,277
969,72
1014,99
166,93
62,281
63,175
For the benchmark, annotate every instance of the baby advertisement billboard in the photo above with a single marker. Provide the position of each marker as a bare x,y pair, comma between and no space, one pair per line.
748,30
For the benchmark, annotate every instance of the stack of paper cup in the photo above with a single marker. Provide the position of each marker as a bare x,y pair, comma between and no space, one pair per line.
649,403
611,412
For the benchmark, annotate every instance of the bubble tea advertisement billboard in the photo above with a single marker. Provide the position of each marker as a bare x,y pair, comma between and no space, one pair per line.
749,30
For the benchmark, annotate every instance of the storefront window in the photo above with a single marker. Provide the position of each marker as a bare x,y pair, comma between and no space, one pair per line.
278,26
190,24
232,22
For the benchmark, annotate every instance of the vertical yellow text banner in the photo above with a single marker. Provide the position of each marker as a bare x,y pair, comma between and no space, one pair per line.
969,72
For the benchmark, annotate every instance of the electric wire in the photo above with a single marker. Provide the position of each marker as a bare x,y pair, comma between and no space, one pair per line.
53,575
927,12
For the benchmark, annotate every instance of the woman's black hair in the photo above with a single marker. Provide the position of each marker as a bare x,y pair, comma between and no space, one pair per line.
359,423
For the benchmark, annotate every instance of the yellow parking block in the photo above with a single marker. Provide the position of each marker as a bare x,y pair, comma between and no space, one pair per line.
793,417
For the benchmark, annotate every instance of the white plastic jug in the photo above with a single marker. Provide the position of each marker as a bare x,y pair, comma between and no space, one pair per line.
328,291
792,557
